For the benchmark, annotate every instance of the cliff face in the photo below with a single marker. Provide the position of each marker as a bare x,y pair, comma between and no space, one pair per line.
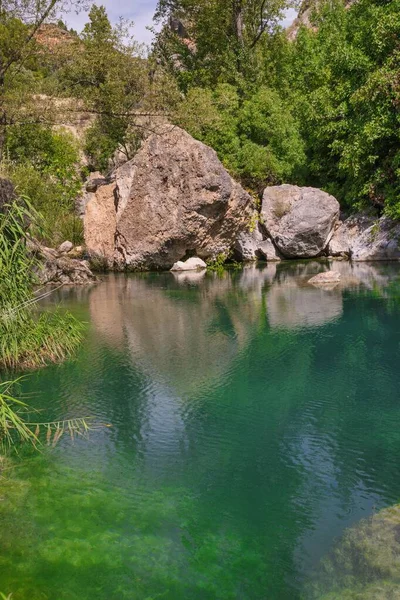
304,17
52,37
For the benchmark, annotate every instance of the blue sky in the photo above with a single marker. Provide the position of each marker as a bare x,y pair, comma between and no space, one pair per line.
139,11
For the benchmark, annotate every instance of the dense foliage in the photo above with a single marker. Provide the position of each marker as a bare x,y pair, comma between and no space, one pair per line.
320,110
346,86
42,163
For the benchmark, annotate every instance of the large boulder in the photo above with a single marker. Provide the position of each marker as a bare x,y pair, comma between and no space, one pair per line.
268,251
247,245
100,224
368,238
173,200
300,220
339,244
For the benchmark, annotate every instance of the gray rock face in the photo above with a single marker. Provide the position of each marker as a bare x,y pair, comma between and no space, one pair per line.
299,220
268,251
372,239
247,245
339,244
253,245
173,198
7,193
191,264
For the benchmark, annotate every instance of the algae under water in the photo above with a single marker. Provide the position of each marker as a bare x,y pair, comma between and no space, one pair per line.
254,419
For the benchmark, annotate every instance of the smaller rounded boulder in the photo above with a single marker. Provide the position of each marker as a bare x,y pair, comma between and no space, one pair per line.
300,220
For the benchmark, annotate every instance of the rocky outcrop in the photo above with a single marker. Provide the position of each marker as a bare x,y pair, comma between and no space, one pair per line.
58,268
172,200
299,220
339,244
254,245
100,224
191,264
365,238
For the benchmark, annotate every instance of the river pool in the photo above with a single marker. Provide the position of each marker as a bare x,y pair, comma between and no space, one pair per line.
253,419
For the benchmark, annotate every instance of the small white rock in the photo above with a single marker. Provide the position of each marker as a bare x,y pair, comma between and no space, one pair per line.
191,264
66,247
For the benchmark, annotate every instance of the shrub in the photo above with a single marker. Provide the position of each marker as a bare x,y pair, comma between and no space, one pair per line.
42,164
256,138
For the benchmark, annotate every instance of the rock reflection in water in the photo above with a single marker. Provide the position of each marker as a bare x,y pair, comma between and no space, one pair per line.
291,304
157,321
156,318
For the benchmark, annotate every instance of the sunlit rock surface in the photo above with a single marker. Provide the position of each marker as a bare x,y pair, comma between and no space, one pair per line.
172,200
300,220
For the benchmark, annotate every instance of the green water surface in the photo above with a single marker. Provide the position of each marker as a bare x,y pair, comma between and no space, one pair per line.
254,418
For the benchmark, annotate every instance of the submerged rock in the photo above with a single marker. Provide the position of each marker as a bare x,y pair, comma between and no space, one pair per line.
363,564
300,220
326,278
191,264
174,198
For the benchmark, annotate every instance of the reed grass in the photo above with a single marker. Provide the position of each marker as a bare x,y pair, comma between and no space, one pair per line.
17,426
28,338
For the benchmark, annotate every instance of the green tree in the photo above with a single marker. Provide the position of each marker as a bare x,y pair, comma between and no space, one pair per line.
20,21
206,42
345,88
108,72
257,138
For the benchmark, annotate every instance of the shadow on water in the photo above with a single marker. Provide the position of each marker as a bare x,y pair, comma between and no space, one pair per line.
254,418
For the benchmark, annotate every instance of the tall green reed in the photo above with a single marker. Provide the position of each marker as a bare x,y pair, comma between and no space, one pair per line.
28,338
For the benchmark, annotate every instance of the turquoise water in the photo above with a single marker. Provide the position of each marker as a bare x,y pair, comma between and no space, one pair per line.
254,418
